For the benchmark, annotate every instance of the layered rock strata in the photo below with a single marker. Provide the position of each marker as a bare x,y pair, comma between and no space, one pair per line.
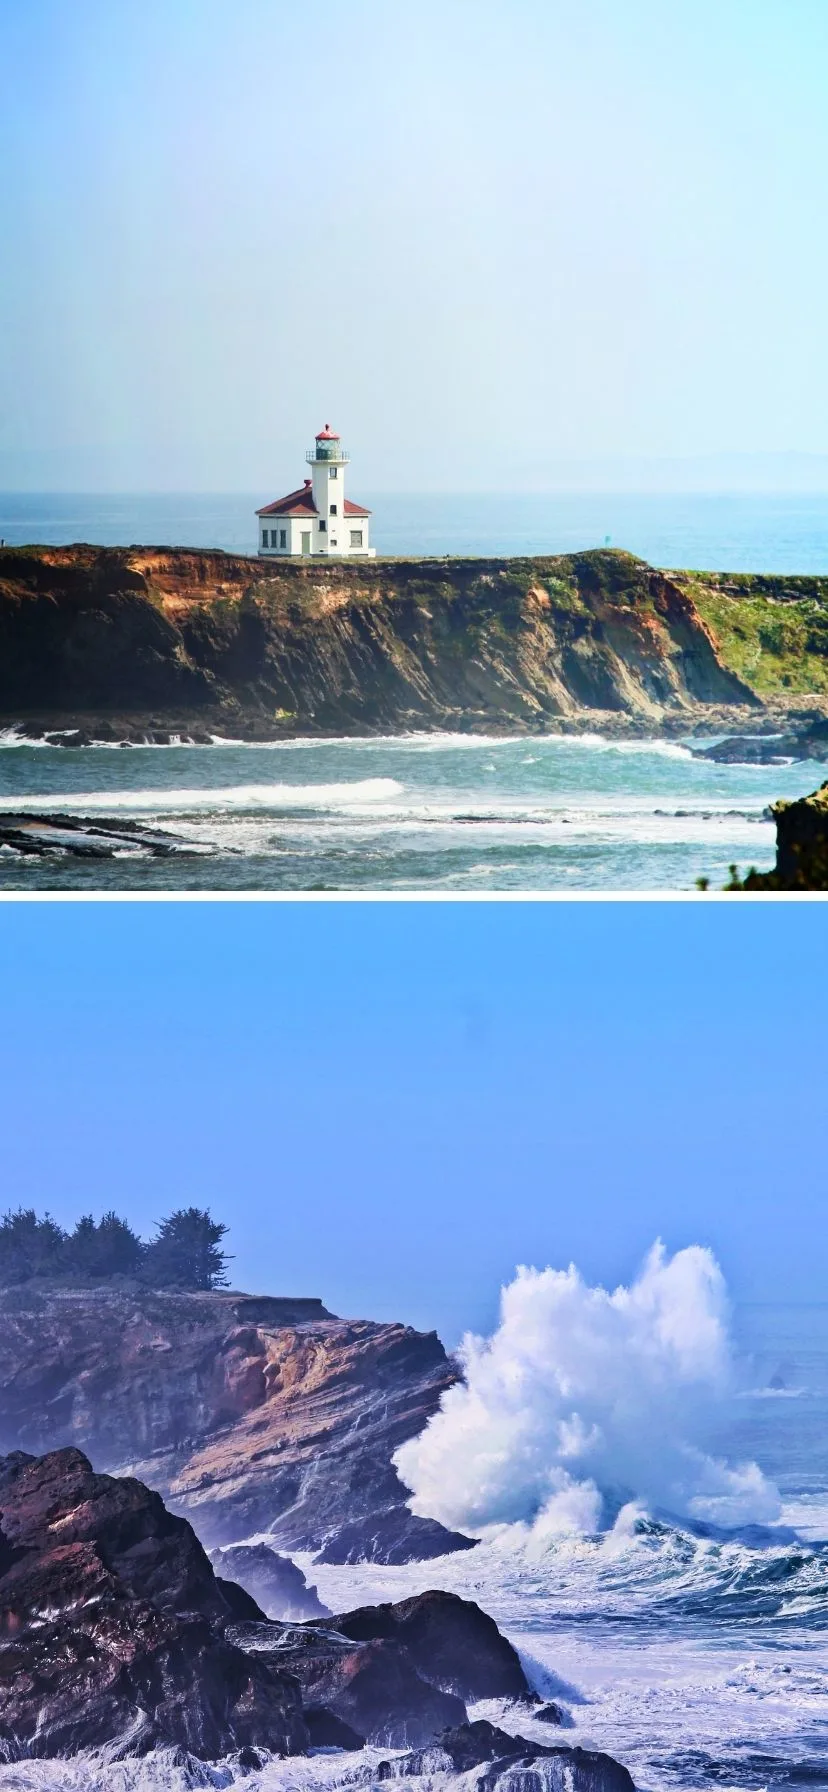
188,641
247,1414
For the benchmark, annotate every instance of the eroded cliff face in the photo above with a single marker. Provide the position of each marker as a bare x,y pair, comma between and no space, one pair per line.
245,1413
170,637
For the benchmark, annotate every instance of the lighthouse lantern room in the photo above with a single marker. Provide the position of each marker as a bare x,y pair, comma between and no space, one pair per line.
318,518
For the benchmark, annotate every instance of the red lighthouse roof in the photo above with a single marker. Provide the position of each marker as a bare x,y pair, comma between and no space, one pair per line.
327,434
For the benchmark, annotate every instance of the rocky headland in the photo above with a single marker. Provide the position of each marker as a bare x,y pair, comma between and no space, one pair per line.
145,643
247,1413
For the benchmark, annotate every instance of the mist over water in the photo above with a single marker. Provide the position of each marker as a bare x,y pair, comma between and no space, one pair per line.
583,1401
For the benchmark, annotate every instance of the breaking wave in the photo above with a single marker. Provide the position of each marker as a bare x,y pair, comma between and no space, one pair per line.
232,797
583,1401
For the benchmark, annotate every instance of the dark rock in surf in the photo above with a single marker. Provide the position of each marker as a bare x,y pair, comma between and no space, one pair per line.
274,1581
452,1642
83,837
511,1763
373,1686
392,1536
327,1731
112,1625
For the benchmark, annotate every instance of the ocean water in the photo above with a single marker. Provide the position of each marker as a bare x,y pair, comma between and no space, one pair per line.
697,1657
728,532
409,813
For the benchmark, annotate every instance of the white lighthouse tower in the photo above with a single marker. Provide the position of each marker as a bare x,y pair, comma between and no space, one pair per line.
317,519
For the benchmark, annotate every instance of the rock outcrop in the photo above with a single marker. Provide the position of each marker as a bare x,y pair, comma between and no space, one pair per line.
275,1582
112,1625
451,1641
373,1686
801,847
510,1763
186,640
246,1413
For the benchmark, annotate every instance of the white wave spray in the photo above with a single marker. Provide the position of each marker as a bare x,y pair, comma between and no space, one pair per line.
583,1399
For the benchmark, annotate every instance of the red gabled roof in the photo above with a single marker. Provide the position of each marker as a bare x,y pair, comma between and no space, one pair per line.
295,504
354,509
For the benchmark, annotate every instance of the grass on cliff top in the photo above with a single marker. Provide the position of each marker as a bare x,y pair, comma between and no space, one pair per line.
778,646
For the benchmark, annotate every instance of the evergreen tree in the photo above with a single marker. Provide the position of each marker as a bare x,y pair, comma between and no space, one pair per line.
186,1252
29,1246
108,1248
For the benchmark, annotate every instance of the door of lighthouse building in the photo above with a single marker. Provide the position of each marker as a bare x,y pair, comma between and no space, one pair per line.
306,538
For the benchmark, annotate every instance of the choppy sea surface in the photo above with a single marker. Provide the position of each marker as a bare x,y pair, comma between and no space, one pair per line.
698,1658
419,812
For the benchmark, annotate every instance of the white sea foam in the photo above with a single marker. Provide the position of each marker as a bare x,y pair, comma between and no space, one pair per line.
583,1398
231,797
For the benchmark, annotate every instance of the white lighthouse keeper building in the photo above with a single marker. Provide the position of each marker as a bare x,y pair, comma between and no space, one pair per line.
318,518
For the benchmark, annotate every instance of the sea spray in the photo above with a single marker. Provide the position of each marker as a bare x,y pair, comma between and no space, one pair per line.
583,1400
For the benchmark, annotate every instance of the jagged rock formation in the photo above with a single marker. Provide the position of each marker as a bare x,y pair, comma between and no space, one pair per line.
450,1640
41,836
192,640
116,1634
801,847
510,1763
275,1582
374,1686
246,1413
111,1625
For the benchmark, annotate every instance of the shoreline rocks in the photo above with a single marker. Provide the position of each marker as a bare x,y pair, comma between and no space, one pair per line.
112,1625
275,1582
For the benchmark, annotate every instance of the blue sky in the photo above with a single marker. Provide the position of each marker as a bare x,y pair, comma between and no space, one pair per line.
488,241
393,1105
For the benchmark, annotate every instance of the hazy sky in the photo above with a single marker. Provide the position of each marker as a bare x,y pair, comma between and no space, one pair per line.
394,1104
479,236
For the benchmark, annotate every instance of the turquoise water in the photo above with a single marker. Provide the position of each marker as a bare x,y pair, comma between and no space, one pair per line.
419,812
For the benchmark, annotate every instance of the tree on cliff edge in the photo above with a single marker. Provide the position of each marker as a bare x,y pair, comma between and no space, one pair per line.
106,1248
187,1252
29,1246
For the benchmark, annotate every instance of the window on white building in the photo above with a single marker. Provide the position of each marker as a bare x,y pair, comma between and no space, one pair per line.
334,471
322,526
264,538
333,510
356,538
283,538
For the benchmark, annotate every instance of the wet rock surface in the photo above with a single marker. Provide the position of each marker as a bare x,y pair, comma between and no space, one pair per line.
510,1762
273,1580
47,836
807,740
451,1641
112,1624
373,1686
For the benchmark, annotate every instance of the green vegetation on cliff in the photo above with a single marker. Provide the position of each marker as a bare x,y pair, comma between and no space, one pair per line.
770,631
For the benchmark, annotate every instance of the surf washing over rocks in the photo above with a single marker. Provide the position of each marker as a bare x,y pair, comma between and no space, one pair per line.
659,1587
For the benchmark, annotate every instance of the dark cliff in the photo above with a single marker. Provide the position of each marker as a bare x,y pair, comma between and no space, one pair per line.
173,637
245,1413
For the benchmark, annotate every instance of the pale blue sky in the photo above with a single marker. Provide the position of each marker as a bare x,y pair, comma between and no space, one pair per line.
479,237
394,1104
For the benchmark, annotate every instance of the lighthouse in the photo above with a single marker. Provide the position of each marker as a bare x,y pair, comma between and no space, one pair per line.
317,519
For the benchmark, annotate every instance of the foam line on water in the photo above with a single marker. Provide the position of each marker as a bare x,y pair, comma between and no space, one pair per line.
231,797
